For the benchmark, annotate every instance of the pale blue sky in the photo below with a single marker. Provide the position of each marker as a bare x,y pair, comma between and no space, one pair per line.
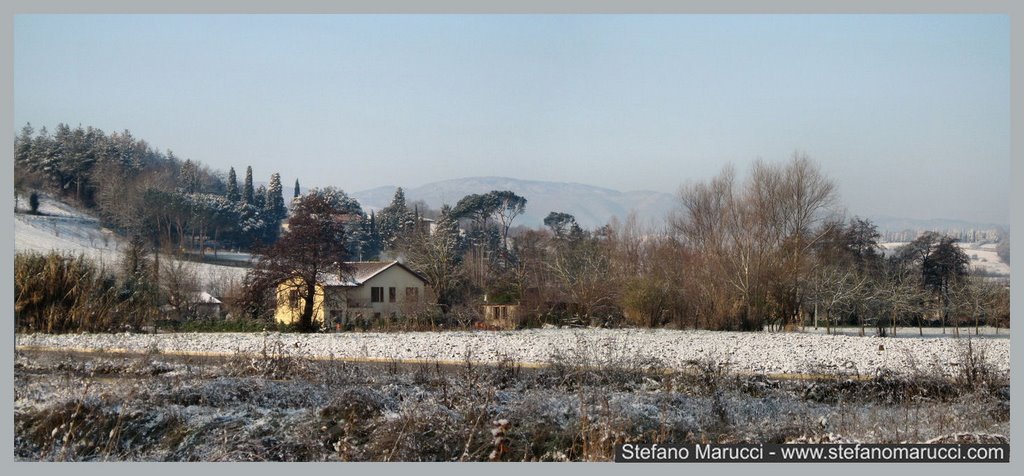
908,113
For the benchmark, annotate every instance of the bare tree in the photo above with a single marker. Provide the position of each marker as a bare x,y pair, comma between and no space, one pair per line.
437,257
835,287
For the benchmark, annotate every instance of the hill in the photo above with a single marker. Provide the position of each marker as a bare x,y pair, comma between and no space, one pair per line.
592,206
63,228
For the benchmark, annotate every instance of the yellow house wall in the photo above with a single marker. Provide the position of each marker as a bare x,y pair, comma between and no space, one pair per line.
344,298
286,314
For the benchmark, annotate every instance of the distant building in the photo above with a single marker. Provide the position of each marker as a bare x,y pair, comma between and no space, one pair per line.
205,305
367,292
502,316
197,305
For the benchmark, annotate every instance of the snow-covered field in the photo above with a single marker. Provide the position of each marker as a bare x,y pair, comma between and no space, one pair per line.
769,353
62,228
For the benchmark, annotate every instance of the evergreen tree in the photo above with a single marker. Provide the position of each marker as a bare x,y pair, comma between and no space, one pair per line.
275,199
395,220
189,175
247,191
369,238
296,189
259,200
233,195
23,146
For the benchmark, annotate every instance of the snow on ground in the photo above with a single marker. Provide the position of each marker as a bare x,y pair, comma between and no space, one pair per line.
63,228
771,353
985,259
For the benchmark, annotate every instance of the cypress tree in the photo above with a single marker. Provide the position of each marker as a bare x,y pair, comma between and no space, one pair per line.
296,189
233,195
247,190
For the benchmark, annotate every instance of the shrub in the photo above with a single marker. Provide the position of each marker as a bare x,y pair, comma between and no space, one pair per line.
61,293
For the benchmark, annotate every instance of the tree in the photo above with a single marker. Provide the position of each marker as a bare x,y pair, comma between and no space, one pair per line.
900,290
189,181
789,203
835,287
259,199
580,264
296,189
247,190
233,194
23,145
941,262
275,199
437,256
33,203
976,300
560,223
369,245
314,246
509,206
395,220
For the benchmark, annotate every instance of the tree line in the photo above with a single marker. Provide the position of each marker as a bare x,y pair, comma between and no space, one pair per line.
139,190
769,251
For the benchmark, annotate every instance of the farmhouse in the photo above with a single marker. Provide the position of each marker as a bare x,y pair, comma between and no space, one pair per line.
365,291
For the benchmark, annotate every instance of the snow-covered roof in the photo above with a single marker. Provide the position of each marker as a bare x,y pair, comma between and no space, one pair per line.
204,297
358,272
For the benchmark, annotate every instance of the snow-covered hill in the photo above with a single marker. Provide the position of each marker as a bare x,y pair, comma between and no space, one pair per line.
61,227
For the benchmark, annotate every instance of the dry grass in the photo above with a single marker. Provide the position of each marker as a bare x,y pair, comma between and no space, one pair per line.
280,407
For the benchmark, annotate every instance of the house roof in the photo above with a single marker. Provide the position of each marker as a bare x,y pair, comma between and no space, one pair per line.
204,297
359,272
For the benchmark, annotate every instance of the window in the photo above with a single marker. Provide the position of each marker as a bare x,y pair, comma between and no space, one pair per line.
376,294
392,292
293,299
412,294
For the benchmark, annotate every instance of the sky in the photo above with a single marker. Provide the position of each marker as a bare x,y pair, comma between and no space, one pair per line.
908,114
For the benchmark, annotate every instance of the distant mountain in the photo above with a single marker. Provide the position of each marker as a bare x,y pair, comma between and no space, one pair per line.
592,206
897,224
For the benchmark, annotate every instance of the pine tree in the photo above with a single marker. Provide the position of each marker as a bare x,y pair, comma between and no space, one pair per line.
369,244
275,199
259,199
189,175
247,191
395,220
23,146
233,194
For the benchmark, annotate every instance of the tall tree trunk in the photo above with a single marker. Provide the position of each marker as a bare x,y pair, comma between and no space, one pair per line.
306,319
